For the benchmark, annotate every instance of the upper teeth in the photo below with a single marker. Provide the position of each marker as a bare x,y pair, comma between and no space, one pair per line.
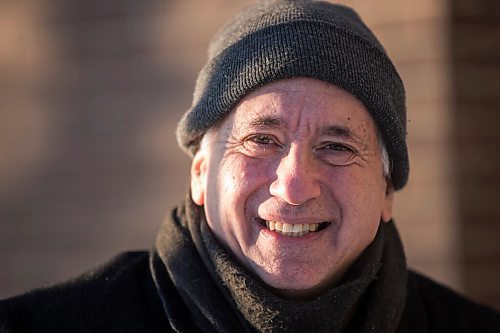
292,229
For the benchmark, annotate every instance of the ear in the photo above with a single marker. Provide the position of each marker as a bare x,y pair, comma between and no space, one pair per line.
388,201
198,177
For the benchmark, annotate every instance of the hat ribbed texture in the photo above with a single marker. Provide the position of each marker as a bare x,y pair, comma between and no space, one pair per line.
280,39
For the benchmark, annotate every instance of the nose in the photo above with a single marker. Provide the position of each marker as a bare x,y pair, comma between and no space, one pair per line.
296,181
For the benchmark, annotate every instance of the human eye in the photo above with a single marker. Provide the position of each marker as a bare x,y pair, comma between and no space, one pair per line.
261,144
338,147
262,139
336,153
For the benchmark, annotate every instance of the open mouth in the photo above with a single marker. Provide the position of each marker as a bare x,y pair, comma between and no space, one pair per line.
293,230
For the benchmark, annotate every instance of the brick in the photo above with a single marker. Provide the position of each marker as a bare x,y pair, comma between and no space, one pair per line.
478,10
481,279
421,205
478,163
477,81
431,163
443,271
430,240
479,202
481,241
476,42
429,122
426,81
389,11
415,41
477,123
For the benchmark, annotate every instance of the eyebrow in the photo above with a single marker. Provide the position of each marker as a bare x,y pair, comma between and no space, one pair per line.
336,130
268,121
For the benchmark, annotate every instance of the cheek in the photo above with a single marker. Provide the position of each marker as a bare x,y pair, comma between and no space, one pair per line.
361,208
232,179
360,194
241,176
236,182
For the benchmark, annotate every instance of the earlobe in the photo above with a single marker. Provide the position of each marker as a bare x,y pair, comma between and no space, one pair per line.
388,201
198,178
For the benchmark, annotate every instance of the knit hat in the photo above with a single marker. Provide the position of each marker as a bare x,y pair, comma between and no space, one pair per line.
280,39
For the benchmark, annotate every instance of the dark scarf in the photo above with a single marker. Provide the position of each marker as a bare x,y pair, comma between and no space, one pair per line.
223,297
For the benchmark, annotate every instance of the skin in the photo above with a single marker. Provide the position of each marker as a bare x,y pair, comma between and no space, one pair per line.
294,151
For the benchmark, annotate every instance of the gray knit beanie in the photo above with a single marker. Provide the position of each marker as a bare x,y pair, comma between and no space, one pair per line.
280,39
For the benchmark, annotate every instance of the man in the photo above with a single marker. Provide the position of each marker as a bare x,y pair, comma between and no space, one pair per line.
297,133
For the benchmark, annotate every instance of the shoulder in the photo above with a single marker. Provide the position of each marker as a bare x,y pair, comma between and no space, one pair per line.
118,296
447,311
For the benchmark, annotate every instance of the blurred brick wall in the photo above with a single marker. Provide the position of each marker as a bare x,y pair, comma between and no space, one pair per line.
475,42
90,95
91,92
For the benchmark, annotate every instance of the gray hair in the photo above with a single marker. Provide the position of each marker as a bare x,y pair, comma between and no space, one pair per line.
386,163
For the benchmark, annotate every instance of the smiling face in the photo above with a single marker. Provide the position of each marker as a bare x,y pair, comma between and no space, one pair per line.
292,184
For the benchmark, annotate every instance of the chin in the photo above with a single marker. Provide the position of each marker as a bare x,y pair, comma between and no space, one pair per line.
292,286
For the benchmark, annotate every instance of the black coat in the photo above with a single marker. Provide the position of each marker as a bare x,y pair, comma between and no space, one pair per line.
117,297
121,297
176,289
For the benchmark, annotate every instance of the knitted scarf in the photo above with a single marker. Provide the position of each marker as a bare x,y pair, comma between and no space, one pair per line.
223,297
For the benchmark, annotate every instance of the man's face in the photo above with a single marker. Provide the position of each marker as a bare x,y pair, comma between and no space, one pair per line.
302,156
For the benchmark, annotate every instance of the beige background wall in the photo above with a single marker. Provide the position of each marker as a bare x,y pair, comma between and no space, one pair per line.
90,93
